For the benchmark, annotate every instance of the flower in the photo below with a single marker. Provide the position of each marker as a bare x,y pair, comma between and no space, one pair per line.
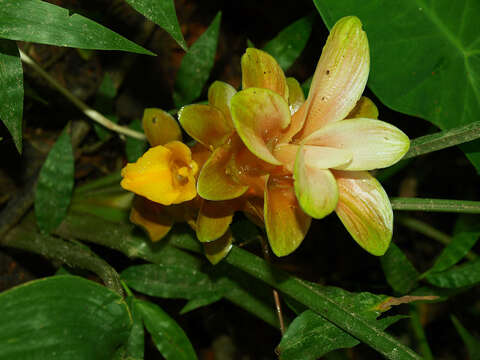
326,145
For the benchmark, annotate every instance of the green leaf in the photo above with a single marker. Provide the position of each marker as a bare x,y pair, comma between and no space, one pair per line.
41,22
195,303
104,104
310,336
289,43
55,185
167,335
11,90
62,317
306,86
163,14
465,237
438,78
135,147
196,65
472,343
136,341
399,271
467,274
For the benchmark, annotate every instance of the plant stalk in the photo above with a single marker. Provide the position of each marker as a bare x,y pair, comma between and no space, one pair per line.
436,205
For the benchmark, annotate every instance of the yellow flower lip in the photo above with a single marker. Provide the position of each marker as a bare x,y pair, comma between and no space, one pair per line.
164,174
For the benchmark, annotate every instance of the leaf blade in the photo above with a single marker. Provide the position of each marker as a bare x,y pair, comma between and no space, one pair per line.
53,25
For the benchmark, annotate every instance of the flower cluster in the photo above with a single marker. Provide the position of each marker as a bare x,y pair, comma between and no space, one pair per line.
270,153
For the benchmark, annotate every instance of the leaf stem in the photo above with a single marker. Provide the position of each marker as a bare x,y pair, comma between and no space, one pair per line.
420,332
88,111
436,205
443,139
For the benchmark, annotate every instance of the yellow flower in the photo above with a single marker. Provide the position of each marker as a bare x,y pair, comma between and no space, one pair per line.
164,174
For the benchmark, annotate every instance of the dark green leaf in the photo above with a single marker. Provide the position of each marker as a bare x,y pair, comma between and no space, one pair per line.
458,276
461,243
196,65
163,14
195,303
472,343
55,185
62,317
438,78
104,103
306,86
168,281
400,273
41,22
136,341
11,90
167,335
310,336
135,147
287,46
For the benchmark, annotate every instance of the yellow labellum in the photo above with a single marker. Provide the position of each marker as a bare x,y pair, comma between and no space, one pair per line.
164,174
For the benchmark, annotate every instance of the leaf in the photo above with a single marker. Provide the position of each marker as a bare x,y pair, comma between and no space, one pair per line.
196,65
438,78
467,274
310,336
55,185
199,302
289,43
465,237
11,90
50,24
472,343
135,147
400,273
136,341
167,335
62,317
163,14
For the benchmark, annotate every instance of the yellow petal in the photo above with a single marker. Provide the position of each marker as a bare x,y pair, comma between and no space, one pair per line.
285,222
365,210
340,76
160,127
219,95
315,186
374,144
295,95
216,250
259,116
261,70
206,124
213,181
164,174
213,220
365,108
151,217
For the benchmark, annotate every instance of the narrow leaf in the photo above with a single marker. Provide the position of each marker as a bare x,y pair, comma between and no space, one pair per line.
289,43
465,237
167,335
136,340
62,317
196,65
400,273
200,302
11,90
41,22
163,14
55,185
458,276
472,343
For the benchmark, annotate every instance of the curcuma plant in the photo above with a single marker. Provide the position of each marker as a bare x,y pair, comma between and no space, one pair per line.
286,158
158,226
